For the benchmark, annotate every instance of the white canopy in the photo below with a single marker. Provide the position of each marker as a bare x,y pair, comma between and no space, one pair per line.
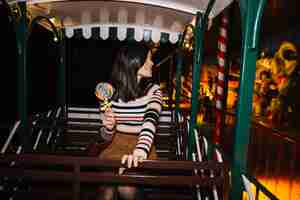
143,19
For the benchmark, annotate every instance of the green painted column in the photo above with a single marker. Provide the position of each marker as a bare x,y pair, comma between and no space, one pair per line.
21,38
197,62
253,13
61,79
243,13
201,25
178,82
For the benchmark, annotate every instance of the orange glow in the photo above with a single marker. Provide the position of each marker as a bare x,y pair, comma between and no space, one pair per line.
284,188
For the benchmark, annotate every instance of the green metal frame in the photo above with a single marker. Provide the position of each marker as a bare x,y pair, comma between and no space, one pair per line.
178,82
22,33
21,38
61,79
251,13
201,25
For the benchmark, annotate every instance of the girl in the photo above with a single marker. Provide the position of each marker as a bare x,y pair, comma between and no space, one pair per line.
130,123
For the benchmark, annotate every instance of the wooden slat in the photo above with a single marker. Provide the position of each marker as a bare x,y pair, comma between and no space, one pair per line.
32,159
110,177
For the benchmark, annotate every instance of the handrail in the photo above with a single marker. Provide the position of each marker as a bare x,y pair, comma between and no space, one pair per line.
40,133
10,136
281,133
214,190
259,187
105,177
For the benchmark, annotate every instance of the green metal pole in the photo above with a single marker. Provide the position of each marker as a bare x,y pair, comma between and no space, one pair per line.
201,24
244,109
243,11
61,85
198,35
21,38
178,82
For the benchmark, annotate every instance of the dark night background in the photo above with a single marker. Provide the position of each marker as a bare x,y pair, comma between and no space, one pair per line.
89,61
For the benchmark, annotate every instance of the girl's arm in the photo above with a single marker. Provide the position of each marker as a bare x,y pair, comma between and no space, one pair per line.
151,119
148,130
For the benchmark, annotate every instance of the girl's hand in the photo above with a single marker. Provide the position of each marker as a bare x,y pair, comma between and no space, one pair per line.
133,159
108,120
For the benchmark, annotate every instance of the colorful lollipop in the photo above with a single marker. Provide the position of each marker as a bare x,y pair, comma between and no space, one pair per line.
104,92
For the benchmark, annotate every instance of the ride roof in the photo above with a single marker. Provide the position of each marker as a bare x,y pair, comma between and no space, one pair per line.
142,19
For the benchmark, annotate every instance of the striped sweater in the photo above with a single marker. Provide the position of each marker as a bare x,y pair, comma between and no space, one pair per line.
139,117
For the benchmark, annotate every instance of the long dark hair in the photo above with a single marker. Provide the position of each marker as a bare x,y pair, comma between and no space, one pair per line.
128,60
